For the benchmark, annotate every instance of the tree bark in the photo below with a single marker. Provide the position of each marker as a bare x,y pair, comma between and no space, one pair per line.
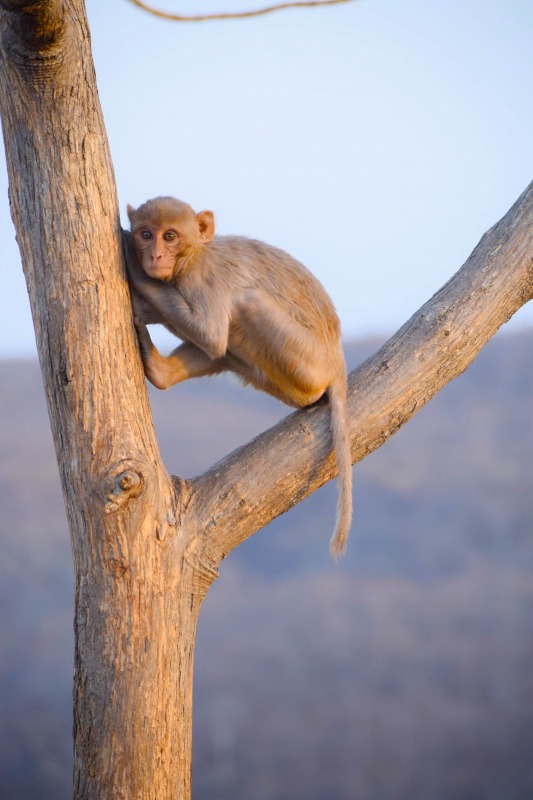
146,547
136,598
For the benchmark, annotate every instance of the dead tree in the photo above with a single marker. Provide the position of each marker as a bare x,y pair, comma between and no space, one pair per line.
146,546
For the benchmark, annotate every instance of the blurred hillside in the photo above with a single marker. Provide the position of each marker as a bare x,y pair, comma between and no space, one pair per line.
403,673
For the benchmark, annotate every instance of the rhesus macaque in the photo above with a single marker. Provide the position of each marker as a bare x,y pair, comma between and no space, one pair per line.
239,305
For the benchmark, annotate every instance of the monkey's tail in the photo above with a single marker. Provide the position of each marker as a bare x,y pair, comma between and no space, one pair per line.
337,394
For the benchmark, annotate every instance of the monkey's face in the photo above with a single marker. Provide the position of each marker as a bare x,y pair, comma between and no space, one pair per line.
158,250
166,232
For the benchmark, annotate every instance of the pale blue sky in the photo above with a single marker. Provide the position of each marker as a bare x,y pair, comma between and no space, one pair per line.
375,141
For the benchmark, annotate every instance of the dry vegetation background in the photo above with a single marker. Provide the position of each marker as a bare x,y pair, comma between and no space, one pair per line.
404,673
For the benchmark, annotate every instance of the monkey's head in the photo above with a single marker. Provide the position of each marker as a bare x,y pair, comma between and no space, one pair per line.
166,232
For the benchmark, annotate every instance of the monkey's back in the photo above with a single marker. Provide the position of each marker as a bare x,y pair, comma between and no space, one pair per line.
249,264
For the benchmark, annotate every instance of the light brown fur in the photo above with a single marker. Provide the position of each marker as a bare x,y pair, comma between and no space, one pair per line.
239,305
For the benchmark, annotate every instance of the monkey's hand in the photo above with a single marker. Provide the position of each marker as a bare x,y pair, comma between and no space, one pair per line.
143,310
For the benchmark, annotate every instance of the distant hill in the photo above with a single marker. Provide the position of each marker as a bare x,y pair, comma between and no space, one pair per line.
403,673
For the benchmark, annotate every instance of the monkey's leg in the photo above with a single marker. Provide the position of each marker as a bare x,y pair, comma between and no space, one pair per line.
186,361
256,376
281,356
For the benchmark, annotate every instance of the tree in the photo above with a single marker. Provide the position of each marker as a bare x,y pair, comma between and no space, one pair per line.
147,546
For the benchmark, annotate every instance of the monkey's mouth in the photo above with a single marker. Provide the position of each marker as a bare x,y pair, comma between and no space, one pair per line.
160,272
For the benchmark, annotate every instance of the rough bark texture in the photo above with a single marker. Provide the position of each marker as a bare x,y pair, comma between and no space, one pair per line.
136,602
146,547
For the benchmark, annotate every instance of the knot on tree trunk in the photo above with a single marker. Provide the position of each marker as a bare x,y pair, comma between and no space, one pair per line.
34,33
123,482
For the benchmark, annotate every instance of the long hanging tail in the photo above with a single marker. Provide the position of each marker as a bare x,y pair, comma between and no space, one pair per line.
341,441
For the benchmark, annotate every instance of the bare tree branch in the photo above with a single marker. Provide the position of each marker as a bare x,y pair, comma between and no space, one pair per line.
284,465
236,14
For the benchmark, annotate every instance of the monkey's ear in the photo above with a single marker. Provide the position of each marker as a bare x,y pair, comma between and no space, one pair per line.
131,211
206,225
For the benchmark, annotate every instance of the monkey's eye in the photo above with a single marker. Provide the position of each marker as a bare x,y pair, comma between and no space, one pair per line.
146,235
169,236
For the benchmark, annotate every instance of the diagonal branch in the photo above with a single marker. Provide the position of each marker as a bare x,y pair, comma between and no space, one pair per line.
234,14
285,464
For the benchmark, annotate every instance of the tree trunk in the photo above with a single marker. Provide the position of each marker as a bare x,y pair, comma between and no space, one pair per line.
146,547
136,599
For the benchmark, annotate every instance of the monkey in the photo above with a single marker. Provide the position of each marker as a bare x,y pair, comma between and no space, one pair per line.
238,305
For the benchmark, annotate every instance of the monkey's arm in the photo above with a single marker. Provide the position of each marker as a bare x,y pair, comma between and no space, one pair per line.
143,311
201,321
